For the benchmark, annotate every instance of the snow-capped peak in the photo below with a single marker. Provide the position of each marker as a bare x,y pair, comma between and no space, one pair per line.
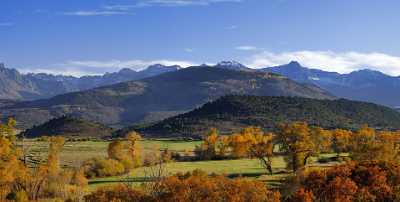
231,65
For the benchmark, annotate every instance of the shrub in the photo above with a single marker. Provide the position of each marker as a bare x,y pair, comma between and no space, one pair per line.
117,193
363,181
100,167
195,187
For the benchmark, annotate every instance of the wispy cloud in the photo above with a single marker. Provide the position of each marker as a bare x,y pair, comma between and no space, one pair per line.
342,62
120,7
96,67
231,27
246,48
188,50
184,2
126,9
96,13
6,24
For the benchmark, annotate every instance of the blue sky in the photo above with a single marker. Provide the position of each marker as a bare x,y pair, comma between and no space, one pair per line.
79,37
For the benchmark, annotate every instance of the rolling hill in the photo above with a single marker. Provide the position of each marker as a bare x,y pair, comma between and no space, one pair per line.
231,113
155,98
69,127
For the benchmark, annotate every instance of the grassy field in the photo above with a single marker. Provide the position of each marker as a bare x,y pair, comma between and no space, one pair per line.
242,167
74,153
232,168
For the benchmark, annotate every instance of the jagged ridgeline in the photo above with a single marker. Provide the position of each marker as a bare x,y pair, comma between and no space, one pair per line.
231,113
155,98
67,126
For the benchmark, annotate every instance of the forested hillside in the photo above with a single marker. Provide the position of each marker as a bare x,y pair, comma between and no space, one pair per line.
230,113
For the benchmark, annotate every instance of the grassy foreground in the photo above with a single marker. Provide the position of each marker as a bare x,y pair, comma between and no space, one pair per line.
74,153
232,168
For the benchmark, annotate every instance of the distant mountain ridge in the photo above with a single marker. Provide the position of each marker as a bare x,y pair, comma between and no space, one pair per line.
17,86
363,85
158,97
232,113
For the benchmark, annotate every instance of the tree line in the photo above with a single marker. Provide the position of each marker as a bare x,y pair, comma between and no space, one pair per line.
371,172
298,142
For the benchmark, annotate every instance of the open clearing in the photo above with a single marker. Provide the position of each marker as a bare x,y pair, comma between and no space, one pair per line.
74,153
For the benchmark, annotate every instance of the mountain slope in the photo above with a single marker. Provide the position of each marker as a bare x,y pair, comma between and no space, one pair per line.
14,85
363,85
158,97
69,127
231,113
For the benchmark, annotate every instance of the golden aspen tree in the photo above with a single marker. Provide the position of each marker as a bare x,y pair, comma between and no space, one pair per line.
341,140
296,142
223,146
364,144
134,148
53,162
208,149
262,147
116,151
322,139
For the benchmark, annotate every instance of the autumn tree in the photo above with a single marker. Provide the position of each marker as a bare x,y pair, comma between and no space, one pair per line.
296,141
134,148
322,139
196,186
240,143
389,149
341,140
128,154
116,150
261,146
362,181
8,129
53,162
208,149
11,169
223,146
363,144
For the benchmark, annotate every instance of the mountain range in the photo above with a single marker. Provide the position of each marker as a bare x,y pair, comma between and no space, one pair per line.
158,97
363,85
17,86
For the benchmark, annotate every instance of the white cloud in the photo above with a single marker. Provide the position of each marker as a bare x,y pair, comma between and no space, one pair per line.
95,67
342,62
188,50
96,13
184,2
118,9
246,48
231,27
166,3
6,24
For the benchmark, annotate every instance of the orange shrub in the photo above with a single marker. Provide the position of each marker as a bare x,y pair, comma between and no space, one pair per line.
193,187
364,181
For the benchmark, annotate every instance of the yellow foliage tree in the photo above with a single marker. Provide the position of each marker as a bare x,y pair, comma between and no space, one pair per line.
297,142
208,149
134,148
364,144
341,140
322,139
